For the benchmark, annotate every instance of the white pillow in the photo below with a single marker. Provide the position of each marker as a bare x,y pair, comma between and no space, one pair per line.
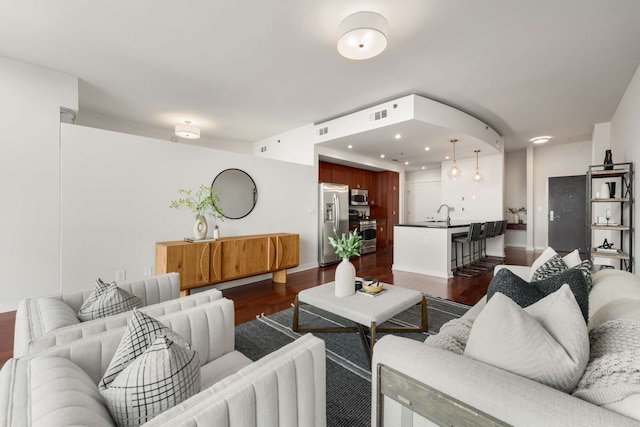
107,302
165,375
571,259
547,342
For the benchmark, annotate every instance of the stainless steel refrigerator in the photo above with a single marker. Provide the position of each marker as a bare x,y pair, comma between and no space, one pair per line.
333,212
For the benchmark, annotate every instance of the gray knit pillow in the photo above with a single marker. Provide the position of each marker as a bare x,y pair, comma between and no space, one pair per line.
165,375
107,302
525,294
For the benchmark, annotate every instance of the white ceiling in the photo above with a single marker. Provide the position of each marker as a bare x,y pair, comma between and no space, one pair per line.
247,70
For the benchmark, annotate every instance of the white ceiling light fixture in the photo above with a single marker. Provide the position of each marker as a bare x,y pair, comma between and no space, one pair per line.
477,177
540,139
187,131
455,172
362,35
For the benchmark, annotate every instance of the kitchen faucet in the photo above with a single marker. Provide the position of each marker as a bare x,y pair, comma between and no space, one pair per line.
448,208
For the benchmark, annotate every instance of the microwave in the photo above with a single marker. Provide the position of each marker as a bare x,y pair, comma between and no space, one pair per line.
358,197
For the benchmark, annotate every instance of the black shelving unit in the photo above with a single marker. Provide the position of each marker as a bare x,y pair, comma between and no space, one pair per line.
620,225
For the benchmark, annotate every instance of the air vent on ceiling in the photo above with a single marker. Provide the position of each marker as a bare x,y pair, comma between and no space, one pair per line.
322,131
378,115
263,148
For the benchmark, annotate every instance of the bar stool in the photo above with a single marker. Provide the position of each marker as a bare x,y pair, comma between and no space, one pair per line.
501,228
472,236
488,231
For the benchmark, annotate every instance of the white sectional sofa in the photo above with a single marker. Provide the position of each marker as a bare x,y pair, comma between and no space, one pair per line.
46,321
286,387
476,389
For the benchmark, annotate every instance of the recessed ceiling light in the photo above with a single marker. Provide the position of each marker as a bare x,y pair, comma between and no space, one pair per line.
424,167
447,157
406,163
398,136
349,146
427,148
540,139
382,156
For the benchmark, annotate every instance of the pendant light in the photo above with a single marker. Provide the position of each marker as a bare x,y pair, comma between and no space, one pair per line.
477,177
187,131
455,172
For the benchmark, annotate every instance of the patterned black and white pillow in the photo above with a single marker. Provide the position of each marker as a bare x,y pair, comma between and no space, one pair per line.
110,301
141,331
585,269
551,267
165,375
100,288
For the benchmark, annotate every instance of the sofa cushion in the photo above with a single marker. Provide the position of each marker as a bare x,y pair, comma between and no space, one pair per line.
572,259
547,342
55,314
141,331
107,302
525,294
164,375
60,390
612,377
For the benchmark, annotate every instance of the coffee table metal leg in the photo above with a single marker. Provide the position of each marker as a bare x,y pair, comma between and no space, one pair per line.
365,342
295,315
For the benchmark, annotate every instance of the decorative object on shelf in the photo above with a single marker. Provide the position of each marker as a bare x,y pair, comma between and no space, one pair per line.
346,247
362,35
604,191
202,202
612,189
216,232
516,214
477,177
187,131
608,160
455,172
606,245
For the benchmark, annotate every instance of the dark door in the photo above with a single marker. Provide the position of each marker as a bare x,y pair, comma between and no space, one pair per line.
567,213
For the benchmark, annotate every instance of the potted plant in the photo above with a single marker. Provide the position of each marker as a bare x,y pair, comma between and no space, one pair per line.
346,247
201,202
516,213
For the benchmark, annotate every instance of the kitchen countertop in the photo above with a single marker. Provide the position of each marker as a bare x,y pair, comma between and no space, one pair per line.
439,224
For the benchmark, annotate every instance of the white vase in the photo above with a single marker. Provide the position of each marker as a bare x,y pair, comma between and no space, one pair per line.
200,228
345,282
516,218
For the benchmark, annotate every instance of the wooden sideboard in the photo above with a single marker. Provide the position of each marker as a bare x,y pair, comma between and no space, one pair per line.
229,258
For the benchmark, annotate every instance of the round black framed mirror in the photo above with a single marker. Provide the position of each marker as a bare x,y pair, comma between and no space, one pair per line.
237,193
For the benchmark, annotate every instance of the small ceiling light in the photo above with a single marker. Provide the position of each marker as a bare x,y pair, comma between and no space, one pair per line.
477,177
398,136
406,163
540,139
349,146
424,167
187,131
455,172
382,156
427,148
362,35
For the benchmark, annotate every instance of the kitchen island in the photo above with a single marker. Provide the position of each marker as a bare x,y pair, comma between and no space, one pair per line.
425,247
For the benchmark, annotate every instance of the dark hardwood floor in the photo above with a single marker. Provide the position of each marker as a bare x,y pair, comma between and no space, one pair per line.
266,297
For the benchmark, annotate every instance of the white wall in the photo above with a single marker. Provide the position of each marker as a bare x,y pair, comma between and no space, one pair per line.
625,136
29,178
423,194
482,201
515,192
94,119
554,161
116,190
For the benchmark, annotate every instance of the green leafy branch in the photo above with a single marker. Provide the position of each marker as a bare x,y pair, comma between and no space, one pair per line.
202,202
346,247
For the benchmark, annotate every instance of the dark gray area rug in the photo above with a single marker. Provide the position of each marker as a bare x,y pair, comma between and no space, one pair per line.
348,372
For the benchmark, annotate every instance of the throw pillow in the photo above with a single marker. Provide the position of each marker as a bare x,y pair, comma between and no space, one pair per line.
585,268
452,336
165,375
141,331
612,377
110,301
551,267
99,289
525,294
547,342
572,259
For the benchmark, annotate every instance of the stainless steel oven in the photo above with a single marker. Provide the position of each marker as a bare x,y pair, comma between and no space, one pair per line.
368,232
